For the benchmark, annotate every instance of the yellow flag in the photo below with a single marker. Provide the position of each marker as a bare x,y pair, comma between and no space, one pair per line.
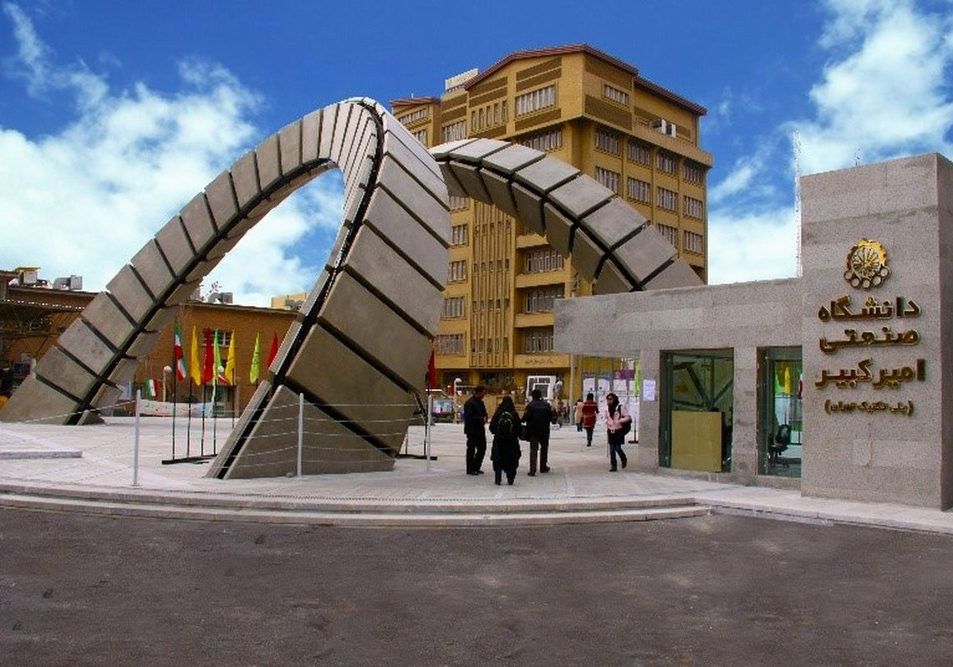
195,368
230,362
217,352
255,360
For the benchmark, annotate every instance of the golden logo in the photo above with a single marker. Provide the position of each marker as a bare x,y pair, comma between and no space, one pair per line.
867,265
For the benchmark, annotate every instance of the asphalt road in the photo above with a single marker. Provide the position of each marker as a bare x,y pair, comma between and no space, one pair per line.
720,590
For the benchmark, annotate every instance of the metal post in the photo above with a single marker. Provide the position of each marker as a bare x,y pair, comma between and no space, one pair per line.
300,429
427,429
135,445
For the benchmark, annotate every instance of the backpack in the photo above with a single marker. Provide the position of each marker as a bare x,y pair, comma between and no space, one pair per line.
625,427
506,425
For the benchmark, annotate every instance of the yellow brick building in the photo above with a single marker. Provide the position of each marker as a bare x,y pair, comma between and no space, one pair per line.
596,113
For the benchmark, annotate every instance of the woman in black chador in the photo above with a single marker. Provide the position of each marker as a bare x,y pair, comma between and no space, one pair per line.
505,453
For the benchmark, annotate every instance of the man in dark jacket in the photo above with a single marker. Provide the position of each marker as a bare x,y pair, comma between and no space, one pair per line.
474,427
537,417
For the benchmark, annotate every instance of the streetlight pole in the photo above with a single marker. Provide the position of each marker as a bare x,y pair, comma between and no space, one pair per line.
165,377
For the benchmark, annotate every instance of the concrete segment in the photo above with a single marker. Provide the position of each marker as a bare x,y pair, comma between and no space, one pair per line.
108,320
289,147
175,247
500,192
152,269
220,195
198,224
130,294
269,163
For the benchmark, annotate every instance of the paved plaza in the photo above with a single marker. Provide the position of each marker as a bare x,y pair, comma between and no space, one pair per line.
93,468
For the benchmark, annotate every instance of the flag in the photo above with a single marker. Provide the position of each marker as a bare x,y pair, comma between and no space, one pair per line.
177,351
253,371
196,367
432,370
150,388
230,362
217,357
274,350
208,371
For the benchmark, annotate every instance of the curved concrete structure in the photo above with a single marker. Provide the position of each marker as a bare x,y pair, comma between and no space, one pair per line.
611,244
358,347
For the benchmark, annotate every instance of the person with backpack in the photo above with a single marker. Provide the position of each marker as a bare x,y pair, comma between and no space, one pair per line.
537,418
505,452
618,424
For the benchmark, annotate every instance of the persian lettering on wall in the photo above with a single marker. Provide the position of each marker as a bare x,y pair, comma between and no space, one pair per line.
874,326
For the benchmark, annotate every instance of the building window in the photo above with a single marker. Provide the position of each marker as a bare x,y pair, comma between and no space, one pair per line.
458,271
608,141
541,260
538,340
421,136
457,203
453,307
454,131
413,117
541,300
608,178
614,94
640,191
693,208
535,100
667,199
667,163
544,141
694,243
693,173
458,235
640,153
449,344
670,234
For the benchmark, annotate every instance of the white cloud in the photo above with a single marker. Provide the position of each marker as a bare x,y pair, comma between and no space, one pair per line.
85,199
883,94
756,246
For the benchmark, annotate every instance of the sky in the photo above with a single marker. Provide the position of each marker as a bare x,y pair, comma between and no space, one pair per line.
113,115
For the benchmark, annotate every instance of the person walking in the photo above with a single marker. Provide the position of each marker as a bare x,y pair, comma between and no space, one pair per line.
474,427
537,418
618,423
577,415
590,409
506,429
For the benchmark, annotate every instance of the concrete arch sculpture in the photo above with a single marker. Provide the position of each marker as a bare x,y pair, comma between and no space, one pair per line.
390,257
610,242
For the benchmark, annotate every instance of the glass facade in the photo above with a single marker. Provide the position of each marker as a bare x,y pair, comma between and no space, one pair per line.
780,425
695,420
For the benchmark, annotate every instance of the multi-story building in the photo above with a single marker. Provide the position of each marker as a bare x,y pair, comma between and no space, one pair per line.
596,113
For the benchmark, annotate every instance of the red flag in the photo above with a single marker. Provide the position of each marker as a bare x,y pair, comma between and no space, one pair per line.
274,350
177,352
208,370
432,370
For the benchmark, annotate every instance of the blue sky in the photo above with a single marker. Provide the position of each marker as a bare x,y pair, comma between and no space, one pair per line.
114,114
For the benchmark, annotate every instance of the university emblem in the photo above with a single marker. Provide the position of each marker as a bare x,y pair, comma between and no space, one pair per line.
867,265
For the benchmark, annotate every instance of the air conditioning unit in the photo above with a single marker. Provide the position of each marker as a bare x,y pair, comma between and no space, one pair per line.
664,126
